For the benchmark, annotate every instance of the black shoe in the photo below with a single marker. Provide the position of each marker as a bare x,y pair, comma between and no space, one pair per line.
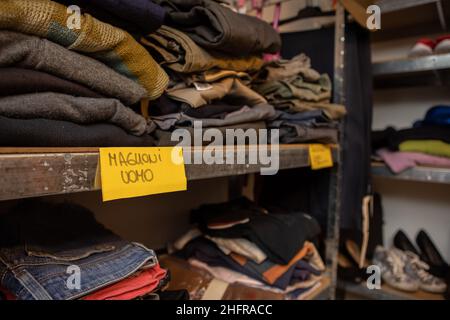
402,242
349,271
431,255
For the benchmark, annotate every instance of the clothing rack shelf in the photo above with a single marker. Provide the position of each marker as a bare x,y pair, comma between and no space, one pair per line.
385,293
41,172
424,174
412,65
429,70
35,172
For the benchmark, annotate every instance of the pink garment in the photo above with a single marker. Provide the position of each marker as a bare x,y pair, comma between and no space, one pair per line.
400,161
137,285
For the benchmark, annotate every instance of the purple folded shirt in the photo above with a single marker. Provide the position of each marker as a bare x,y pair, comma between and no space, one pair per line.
400,161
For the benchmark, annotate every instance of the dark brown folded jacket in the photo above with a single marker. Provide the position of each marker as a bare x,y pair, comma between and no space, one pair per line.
16,81
216,27
176,51
54,133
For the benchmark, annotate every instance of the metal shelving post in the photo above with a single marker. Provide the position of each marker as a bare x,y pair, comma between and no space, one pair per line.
332,242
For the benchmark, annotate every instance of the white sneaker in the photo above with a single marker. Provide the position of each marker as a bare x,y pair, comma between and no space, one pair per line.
418,270
443,45
392,270
423,47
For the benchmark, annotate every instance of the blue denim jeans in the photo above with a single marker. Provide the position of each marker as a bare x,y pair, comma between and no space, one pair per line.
45,248
31,277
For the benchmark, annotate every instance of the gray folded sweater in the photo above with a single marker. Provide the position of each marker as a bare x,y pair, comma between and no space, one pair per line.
30,52
55,106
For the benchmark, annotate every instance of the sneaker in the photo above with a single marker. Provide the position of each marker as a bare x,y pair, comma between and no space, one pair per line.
442,45
392,270
423,47
417,269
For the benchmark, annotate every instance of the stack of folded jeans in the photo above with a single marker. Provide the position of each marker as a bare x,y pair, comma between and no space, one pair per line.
427,143
241,242
60,252
64,85
302,98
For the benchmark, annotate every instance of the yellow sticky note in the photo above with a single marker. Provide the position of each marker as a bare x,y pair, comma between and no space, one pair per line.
320,156
135,172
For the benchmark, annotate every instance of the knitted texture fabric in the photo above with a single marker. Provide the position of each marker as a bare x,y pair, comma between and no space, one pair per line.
55,106
111,45
30,52
55,133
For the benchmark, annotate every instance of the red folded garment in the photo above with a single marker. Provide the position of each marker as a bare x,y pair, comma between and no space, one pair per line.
137,285
8,295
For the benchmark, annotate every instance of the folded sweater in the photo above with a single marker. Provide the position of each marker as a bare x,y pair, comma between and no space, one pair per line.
16,81
111,45
80,110
434,147
136,16
30,52
53,133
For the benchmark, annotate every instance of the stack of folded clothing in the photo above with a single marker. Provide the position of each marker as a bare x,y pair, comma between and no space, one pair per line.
209,52
427,143
60,252
69,85
62,86
241,242
302,98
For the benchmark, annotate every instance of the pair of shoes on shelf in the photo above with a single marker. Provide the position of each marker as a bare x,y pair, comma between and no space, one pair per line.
348,263
393,269
427,251
405,271
426,47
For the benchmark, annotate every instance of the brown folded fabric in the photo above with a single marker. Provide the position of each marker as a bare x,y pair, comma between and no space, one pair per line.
15,81
228,89
175,50
334,111
30,52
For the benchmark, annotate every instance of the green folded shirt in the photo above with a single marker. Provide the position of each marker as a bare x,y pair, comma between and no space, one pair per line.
433,147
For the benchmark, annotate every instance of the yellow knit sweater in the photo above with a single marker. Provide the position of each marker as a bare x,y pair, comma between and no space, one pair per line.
109,44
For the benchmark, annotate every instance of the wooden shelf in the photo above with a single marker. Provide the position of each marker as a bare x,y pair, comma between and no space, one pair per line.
33,172
386,293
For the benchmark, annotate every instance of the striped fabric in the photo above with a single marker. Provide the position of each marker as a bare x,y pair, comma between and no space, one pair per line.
114,47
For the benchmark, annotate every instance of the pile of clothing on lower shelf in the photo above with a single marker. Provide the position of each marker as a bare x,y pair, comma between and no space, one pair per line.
60,252
128,74
427,143
241,242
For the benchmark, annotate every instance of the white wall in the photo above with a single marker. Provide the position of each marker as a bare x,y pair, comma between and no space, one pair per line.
410,206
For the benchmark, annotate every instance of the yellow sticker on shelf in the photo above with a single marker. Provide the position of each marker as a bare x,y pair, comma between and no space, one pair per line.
320,156
135,172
